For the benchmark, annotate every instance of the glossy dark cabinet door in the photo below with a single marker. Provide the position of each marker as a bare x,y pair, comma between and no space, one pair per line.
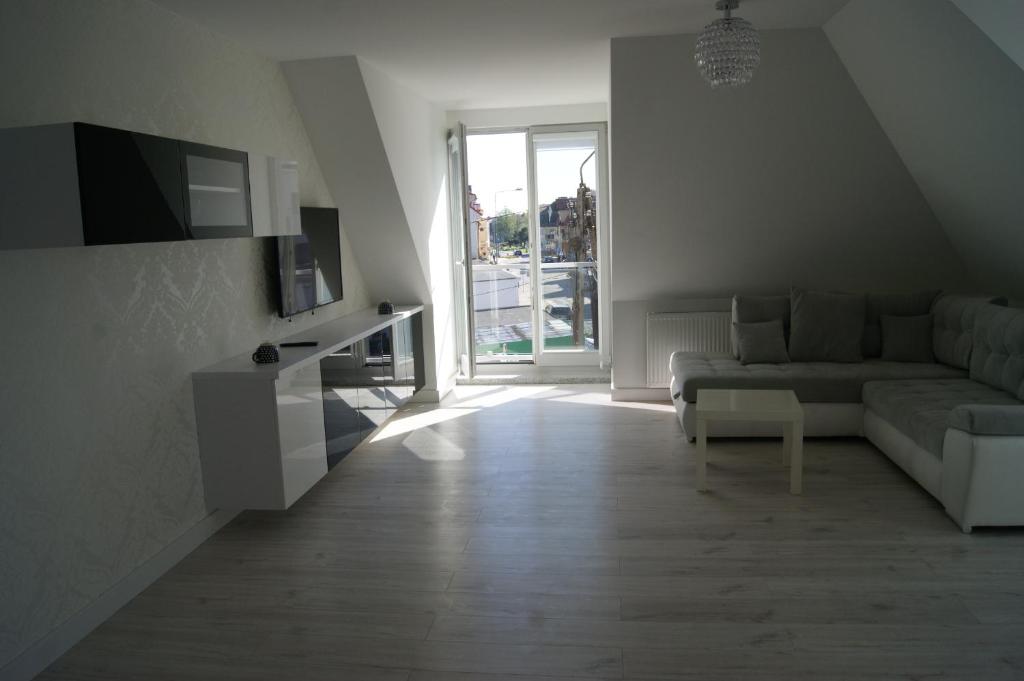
216,191
404,364
366,382
373,396
342,422
354,403
129,185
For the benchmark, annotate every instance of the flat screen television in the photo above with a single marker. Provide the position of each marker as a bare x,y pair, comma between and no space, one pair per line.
309,265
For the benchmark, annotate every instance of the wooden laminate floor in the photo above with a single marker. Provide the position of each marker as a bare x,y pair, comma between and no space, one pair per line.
534,532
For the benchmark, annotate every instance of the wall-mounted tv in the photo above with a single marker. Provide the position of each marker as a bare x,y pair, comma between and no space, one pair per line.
309,265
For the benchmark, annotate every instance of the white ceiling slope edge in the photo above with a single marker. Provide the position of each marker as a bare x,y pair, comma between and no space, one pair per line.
414,136
1002,21
331,97
950,101
465,54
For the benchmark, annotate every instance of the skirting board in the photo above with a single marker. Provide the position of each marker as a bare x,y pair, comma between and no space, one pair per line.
640,394
432,396
46,650
428,395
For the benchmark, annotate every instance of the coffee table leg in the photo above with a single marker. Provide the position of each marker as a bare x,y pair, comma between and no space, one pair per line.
702,455
795,436
787,443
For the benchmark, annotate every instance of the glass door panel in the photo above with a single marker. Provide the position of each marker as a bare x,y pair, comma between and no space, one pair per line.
498,245
566,195
565,291
502,308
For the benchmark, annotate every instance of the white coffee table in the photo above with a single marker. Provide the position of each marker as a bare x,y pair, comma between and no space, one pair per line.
773,406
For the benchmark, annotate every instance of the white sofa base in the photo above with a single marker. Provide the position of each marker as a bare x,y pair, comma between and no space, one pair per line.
920,464
981,481
977,480
821,419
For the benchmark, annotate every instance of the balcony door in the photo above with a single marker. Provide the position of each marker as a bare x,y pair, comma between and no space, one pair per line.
534,222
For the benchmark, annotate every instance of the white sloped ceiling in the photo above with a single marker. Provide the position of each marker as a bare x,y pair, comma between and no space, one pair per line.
952,103
331,96
1002,21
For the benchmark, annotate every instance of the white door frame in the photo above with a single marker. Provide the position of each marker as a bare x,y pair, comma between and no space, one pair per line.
460,245
554,358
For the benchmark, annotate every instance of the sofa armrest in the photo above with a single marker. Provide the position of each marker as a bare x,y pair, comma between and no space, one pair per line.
988,419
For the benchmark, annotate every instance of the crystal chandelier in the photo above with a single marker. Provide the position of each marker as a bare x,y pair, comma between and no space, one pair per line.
728,49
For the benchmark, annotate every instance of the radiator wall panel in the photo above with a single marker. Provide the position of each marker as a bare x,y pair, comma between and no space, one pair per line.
686,331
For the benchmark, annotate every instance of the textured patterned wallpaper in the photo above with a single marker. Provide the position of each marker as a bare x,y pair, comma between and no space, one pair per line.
99,465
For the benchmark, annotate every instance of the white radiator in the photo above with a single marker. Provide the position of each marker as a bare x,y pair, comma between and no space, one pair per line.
689,331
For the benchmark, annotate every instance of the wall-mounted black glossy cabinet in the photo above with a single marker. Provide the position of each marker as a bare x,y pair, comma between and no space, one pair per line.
366,382
77,184
130,186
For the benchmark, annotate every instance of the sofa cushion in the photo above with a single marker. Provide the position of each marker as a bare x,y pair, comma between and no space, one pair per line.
826,327
748,309
896,304
920,409
988,419
997,358
812,381
907,339
761,342
953,327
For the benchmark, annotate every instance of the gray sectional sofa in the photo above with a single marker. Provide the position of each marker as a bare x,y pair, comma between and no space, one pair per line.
955,424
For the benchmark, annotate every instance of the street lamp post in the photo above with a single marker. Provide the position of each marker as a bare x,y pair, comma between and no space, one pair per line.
503,191
500,191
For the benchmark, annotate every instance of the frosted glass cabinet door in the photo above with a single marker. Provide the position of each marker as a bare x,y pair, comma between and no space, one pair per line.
217,203
300,418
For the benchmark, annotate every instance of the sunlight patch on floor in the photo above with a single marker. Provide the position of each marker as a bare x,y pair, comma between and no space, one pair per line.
402,424
605,400
429,445
504,396
432,446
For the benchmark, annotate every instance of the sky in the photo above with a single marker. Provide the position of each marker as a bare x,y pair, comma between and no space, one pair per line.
497,166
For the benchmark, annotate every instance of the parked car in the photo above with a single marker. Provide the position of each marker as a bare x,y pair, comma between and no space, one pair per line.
559,310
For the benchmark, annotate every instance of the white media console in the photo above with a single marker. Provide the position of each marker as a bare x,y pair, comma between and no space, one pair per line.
261,427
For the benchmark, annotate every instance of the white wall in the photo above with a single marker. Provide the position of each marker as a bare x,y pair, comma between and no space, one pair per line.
789,181
99,466
414,134
952,103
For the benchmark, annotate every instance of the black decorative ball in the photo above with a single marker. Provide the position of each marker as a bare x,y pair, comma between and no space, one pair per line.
386,308
266,353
